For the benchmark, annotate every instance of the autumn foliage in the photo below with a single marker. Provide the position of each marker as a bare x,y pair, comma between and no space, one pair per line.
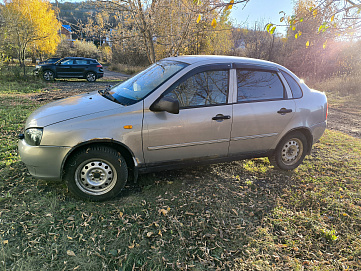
30,25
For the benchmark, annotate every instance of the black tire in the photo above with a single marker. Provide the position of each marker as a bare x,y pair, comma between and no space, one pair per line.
91,77
48,75
290,152
96,173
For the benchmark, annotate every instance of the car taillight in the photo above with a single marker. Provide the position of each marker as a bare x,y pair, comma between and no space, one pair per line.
326,111
99,66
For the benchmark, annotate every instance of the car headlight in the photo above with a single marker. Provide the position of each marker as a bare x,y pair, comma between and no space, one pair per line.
33,136
37,67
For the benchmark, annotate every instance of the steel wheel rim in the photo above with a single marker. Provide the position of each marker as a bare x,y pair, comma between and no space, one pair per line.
91,77
292,151
48,75
95,177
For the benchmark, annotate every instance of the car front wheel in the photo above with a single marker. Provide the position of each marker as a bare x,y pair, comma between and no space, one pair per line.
91,77
96,173
290,152
48,75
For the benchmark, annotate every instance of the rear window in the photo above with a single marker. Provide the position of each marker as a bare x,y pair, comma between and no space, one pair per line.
294,86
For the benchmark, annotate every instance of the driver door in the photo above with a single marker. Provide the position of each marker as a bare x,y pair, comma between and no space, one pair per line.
202,128
63,69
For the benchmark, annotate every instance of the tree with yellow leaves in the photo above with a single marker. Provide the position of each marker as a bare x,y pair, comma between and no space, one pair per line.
30,25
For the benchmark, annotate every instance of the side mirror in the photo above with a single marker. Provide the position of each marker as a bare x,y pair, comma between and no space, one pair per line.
165,104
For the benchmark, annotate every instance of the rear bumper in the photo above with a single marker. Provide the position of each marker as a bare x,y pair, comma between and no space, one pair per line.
318,130
43,162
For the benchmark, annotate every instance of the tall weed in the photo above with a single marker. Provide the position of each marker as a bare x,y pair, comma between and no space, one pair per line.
339,84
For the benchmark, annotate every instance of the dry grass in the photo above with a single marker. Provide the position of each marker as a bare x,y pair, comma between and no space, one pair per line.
124,68
341,85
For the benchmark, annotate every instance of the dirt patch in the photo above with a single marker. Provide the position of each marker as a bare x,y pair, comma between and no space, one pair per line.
65,88
344,121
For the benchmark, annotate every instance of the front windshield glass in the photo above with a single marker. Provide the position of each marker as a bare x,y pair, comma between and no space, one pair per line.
142,84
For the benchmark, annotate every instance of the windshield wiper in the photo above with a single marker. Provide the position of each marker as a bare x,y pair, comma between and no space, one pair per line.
105,93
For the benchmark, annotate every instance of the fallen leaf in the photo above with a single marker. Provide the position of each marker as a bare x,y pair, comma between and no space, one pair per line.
70,253
234,211
163,212
149,234
5,242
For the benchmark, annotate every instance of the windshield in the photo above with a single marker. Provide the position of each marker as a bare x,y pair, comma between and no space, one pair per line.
142,84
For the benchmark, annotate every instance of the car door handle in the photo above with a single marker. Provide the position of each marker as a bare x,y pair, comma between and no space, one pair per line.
221,117
283,111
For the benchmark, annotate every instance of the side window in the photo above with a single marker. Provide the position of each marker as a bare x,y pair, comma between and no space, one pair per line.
253,85
81,62
205,88
294,86
67,62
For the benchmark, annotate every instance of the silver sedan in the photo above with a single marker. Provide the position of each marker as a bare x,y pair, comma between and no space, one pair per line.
180,111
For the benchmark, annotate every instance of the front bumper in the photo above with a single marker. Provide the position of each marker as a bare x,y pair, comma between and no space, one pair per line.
43,162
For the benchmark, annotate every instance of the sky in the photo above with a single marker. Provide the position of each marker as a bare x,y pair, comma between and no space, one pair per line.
263,11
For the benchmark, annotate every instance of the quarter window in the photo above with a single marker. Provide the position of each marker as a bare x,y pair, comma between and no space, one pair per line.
294,86
205,88
255,85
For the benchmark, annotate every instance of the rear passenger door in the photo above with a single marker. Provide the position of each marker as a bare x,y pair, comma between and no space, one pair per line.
79,67
261,112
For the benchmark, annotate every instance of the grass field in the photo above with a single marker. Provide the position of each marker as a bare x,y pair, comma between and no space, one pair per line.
233,216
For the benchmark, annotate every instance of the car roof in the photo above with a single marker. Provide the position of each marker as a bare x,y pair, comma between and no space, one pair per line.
209,59
76,57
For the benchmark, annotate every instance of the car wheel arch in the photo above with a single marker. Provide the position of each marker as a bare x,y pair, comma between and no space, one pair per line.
127,154
306,132
89,73
49,70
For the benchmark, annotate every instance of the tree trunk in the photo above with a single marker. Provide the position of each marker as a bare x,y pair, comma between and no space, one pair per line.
147,35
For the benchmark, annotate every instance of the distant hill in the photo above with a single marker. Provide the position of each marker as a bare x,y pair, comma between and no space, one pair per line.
73,13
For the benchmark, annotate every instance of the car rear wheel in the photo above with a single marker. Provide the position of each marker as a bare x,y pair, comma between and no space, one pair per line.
91,77
96,173
48,75
290,152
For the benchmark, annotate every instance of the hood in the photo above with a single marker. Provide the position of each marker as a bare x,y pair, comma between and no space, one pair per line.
70,108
